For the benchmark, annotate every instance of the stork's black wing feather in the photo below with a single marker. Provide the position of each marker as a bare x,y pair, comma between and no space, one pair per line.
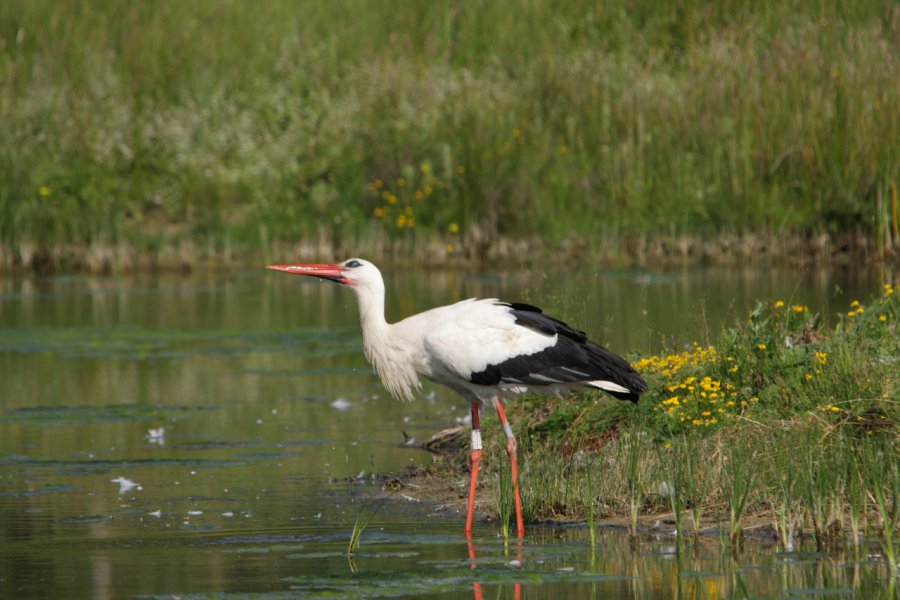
572,359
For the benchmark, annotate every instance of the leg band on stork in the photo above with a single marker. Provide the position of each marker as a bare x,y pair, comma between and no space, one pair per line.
475,458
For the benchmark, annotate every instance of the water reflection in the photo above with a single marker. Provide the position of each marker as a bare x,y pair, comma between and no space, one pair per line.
244,371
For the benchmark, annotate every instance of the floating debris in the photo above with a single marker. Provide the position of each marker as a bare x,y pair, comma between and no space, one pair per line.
125,484
341,404
157,436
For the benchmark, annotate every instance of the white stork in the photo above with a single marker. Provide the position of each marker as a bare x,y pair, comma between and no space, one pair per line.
486,350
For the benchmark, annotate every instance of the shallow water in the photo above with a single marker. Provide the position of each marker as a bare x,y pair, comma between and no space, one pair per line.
273,424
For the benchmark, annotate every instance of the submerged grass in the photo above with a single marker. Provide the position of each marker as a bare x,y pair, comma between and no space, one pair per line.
174,131
784,422
363,518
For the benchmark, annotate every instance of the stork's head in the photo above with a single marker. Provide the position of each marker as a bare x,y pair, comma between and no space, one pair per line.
354,272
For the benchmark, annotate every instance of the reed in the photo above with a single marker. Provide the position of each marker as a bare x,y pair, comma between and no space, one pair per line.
857,500
504,501
634,459
589,504
883,482
821,485
739,473
676,463
783,497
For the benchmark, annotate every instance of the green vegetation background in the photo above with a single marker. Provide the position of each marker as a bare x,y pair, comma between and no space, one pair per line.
232,127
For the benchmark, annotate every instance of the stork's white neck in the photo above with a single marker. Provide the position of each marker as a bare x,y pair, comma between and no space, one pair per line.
370,298
389,357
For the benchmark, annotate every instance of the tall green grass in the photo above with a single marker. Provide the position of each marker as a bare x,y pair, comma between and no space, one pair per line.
178,130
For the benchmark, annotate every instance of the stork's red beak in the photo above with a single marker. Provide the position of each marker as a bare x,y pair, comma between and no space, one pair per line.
331,272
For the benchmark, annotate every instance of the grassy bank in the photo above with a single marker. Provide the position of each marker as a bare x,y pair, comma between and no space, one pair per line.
168,131
779,422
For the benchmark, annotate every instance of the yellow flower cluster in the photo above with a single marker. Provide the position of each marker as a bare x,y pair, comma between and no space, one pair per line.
888,290
797,308
669,365
399,205
856,309
829,408
701,401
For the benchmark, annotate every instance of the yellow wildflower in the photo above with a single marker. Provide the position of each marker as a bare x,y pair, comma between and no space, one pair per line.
799,308
379,212
779,304
44,191
401,182
808,376
882,318
418,195
453,228
761,346
888,290
425,168
822,357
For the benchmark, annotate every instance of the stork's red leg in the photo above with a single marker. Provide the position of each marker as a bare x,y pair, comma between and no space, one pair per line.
511,447
476,461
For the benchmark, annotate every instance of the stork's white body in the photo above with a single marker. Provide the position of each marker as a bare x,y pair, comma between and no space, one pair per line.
450,343
486,350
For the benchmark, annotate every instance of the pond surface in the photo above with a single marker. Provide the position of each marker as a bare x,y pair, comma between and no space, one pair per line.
166,436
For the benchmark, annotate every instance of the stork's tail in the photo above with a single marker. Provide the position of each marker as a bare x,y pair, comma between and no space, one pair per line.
621,380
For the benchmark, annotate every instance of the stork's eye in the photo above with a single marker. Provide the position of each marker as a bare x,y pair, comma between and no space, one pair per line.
353,264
